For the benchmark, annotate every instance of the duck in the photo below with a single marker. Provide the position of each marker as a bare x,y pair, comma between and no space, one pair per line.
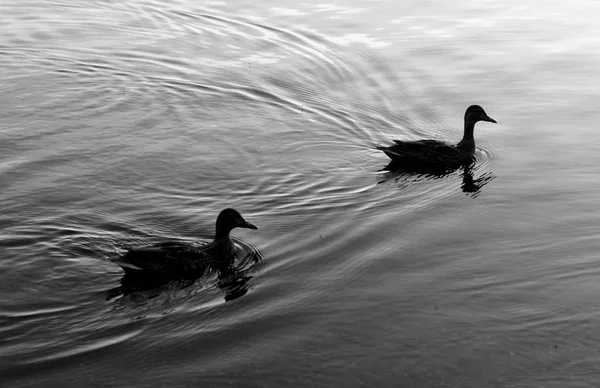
432,154
182,260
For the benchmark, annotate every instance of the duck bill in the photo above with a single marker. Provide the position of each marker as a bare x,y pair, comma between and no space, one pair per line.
488,118
248,225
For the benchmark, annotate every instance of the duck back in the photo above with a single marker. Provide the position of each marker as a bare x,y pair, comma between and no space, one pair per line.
172,258
425,154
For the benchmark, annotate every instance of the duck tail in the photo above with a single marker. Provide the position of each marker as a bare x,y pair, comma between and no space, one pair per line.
114,292
128,267
391,153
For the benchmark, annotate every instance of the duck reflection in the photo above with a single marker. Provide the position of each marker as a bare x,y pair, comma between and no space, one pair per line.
470,185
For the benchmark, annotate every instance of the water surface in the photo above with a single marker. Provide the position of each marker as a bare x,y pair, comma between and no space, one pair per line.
129,122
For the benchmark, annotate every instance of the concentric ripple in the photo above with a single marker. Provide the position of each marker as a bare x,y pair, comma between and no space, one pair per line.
136,121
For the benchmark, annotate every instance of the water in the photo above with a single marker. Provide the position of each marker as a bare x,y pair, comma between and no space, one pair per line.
135,121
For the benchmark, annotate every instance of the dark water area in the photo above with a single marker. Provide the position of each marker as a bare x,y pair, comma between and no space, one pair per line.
127,123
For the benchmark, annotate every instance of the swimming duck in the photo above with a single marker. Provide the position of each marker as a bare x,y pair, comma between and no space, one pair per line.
178,259
434,154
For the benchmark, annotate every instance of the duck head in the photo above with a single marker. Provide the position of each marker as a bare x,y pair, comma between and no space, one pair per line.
229,219
476,113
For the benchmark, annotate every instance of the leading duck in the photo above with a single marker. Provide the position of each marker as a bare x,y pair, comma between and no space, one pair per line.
434,154
178,259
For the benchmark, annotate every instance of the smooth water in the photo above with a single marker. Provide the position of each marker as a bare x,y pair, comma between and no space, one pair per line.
129,122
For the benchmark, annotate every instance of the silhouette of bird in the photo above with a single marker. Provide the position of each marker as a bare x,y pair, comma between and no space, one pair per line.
426,155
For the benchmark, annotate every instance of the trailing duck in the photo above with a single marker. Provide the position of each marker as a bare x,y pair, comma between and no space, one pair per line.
178,259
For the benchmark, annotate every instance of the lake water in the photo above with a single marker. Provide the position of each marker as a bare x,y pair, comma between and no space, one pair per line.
129,122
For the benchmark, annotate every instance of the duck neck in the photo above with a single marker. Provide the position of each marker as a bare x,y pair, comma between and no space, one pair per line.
222,234
468,141
222,246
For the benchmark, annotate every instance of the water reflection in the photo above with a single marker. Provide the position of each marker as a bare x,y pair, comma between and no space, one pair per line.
233,280
470,185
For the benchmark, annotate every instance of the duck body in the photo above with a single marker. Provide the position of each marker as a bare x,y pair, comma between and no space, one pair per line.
169,258
435,155
426,155
183,260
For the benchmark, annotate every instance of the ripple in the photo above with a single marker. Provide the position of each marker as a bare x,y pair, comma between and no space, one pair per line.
89,345
487,155
36,313
137,121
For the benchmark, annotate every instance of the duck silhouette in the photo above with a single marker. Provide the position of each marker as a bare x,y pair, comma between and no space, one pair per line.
154,265
436,156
